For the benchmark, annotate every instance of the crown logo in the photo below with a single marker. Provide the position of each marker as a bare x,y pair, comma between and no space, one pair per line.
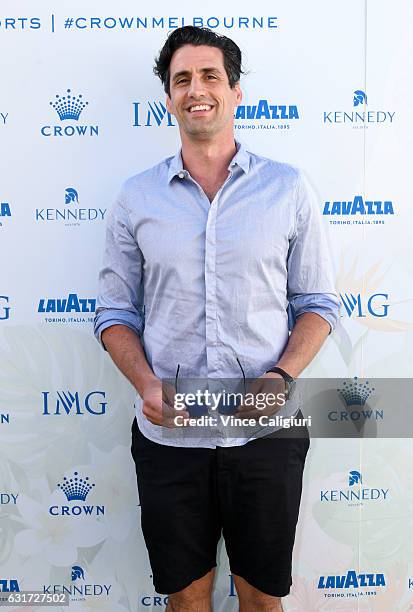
69,106
355,393
76,488
354,477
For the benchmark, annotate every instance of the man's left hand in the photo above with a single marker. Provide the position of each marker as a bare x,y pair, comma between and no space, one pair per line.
270,389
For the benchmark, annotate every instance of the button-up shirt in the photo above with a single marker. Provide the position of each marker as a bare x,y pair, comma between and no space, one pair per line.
211,285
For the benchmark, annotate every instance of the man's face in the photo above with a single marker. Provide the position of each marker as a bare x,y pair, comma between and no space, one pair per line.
198,79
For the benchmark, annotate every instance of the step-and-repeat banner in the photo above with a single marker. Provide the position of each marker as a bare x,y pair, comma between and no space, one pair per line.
328,88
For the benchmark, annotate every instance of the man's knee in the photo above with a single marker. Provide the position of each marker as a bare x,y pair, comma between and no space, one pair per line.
251,598
194,598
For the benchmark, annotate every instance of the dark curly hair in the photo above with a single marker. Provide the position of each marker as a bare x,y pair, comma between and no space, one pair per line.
191,35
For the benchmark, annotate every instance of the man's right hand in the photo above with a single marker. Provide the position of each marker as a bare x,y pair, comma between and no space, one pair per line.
158,404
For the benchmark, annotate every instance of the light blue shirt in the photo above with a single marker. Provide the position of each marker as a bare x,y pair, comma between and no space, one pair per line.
204,283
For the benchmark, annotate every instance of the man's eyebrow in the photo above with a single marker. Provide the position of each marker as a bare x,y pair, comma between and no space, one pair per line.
187,72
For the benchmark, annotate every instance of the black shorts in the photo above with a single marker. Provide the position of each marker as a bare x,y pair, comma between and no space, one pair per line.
189,496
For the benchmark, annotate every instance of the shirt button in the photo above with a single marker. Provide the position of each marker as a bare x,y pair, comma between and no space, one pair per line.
181,175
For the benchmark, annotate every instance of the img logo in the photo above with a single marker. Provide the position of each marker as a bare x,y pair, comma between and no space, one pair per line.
69,108
67,307
358,211
350,584
5,212
358,305
4,308
66,402
9,586
76,489
71,215
78,589
265,115
153,114
360,117
354,494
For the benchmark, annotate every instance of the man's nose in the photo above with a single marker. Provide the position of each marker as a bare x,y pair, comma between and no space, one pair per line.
196,87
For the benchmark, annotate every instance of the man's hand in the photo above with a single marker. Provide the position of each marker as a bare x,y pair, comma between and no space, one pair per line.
158,404
269,388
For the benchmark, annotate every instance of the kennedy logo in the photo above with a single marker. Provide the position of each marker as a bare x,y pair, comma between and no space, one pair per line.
66,306
354,582
72,215
4,307
3,118
7,499
68,402
151,114
69,108
78,590
265,115
361,116
9,586
355,493
358,211
76,488
4,212
358,305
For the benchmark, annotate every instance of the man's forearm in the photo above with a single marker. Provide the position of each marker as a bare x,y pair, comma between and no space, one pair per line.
306,339
125,349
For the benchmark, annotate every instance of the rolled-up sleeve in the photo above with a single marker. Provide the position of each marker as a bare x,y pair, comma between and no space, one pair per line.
120,296
310,286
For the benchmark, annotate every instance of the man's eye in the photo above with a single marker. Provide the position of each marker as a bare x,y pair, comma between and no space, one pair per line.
181,81
211,76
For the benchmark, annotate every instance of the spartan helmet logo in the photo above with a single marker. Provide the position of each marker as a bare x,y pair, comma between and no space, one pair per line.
71,195
354,477
77,572
359,97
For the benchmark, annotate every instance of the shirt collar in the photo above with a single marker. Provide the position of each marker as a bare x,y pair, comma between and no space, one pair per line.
241,159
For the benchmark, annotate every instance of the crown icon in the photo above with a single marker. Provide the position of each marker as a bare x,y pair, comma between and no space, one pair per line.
355,393
69,107
76,488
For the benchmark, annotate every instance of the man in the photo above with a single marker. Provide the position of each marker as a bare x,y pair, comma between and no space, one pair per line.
209,256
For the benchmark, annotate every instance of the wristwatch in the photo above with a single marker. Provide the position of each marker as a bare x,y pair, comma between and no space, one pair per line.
289,381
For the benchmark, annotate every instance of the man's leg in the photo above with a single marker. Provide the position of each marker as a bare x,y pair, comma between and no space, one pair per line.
251,598
194,598
259,488
179,517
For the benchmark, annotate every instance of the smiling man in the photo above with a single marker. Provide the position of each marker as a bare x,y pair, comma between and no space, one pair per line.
211,257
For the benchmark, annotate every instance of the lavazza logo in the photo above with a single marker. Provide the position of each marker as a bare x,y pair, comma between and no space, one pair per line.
72,214
358,211
265,115
79,589
5,212
66,308
9,585
76,489
355,494
352,584
360,116
69,109
66,402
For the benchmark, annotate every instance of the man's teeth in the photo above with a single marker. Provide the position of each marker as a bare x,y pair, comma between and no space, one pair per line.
200,107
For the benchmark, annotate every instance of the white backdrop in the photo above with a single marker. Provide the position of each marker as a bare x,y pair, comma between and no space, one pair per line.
63,405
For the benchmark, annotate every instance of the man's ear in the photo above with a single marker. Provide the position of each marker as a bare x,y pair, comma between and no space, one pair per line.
238,94
169,105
